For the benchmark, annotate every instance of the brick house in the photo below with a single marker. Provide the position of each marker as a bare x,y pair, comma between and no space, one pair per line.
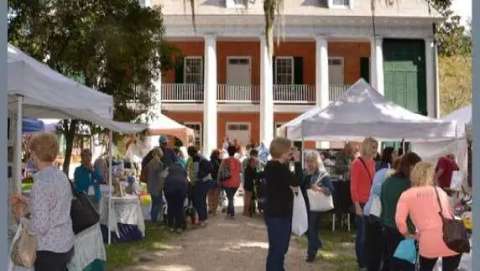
225,85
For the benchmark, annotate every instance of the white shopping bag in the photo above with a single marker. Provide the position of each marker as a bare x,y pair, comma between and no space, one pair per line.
457,180
299,217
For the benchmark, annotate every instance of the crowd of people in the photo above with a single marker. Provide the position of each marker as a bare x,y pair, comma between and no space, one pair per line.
395,196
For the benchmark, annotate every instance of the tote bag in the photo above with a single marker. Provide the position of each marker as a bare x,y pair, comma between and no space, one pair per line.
299,217
319,202
24,247
407,251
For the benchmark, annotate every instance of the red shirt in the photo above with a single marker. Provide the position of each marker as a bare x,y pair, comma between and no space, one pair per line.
448,167
361,179
235,169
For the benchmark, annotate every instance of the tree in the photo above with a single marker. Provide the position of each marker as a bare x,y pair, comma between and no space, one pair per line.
113,46
455,82
451,36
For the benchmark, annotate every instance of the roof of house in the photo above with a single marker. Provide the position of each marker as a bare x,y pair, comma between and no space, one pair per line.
361,8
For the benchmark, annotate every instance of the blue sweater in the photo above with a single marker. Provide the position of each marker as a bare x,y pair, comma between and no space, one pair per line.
84,178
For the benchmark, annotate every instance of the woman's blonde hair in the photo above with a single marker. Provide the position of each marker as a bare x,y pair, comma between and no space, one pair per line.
315,156
422,174
45,147
279,146
367,147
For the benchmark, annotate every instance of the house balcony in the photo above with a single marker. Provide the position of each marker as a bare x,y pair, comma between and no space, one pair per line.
300,94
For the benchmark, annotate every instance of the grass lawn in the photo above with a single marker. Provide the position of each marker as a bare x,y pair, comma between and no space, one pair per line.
338,250
124,254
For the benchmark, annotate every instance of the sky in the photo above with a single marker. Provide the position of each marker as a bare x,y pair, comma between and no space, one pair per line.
464,9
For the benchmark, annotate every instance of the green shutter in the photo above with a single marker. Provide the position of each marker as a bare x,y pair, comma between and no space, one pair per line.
298,70
365,68
404,74
274,71
179,70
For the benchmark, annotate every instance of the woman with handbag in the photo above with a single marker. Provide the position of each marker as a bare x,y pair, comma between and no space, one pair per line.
49,205
426,207
392,188
317,182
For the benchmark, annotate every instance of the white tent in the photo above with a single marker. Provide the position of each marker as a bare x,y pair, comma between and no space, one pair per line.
432,151
363,112
163,125
46,93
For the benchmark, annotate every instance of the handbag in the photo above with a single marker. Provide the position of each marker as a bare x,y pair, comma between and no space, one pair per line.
225,172
319,202
454,233
24,248
406,251
82,212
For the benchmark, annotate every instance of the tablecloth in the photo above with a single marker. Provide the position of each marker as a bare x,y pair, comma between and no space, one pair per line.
126,210
88,249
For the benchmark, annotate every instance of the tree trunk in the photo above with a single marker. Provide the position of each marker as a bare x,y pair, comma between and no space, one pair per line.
69,130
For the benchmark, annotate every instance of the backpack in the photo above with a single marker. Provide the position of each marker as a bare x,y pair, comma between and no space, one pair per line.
225,171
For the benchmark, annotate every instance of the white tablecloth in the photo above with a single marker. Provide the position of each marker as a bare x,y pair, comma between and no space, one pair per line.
126,210
88,248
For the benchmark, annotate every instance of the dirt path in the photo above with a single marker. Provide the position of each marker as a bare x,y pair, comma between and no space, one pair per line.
224,245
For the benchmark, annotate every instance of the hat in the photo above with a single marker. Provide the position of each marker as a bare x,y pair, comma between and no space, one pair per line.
163,140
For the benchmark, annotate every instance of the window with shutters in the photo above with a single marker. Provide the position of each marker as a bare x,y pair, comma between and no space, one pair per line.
193,70
284,70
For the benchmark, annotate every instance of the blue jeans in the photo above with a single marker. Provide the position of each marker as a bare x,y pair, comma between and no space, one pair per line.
279,230
157,204
200,190
360,224
230,196
314,242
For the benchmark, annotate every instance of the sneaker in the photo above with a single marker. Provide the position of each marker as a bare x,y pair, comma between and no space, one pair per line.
310,259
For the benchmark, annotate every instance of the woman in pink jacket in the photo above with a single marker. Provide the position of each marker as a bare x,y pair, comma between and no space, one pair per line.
421,205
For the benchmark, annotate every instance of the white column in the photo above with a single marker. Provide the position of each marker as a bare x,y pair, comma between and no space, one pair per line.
322,85
430,76
377,64
266,94
210,96
321,72
437,81
157,95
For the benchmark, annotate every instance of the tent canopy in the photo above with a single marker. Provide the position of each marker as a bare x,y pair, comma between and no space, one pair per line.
163,125
49,94
363,112
463,117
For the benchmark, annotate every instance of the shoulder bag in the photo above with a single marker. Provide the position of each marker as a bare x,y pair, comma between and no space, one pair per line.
24,247
319,202
454,232
82,212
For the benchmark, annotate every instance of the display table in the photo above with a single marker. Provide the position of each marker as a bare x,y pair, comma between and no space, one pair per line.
126,219
89,253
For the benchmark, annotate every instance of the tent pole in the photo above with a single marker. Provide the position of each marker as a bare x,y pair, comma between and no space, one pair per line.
476,132
18,146
303,147
110,169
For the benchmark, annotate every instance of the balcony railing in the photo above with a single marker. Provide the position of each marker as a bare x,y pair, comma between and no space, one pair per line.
282,94
238,93
294,94
182,93
337,91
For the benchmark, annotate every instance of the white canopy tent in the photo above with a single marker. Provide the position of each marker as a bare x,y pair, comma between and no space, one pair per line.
38,91
432,151
163,125
363,112
46,93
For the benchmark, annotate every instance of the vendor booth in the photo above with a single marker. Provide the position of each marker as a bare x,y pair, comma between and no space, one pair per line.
34,90
363,112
